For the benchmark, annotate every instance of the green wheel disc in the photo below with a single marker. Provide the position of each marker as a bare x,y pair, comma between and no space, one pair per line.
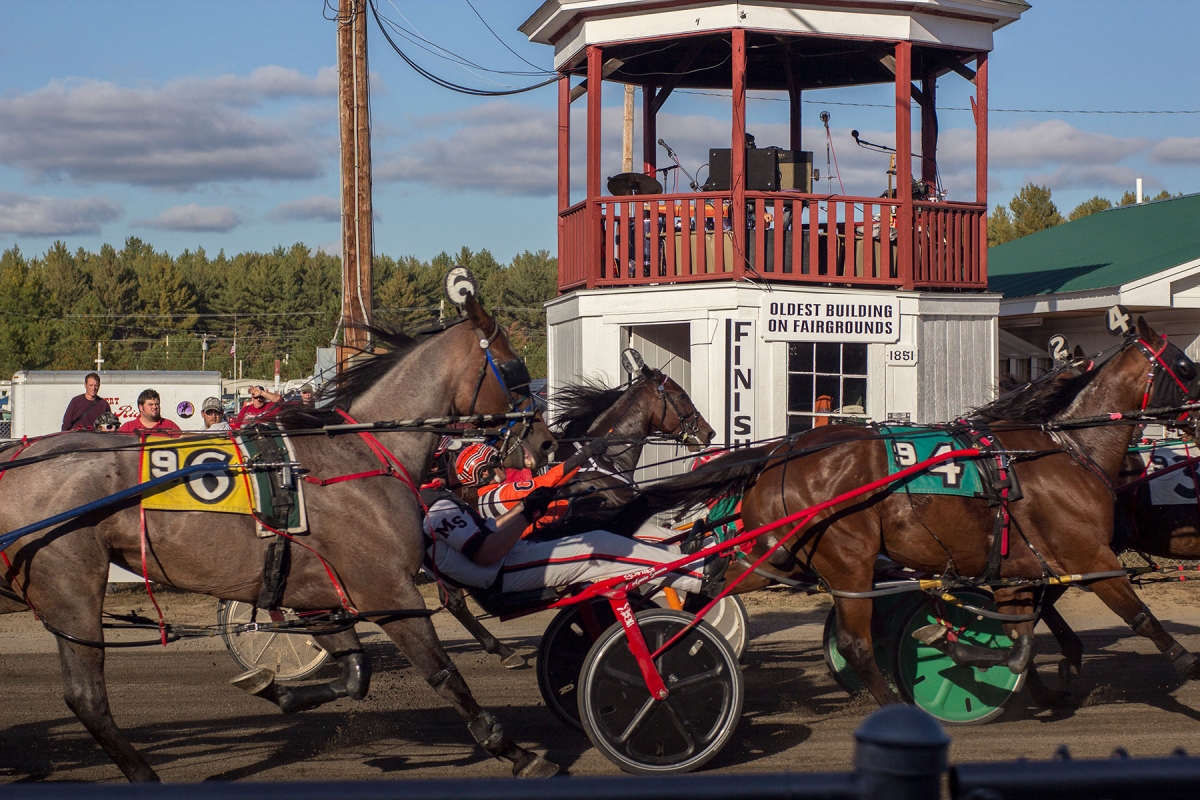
954,694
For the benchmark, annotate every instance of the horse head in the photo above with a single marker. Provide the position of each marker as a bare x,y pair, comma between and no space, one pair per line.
673,413
1173,378
495,380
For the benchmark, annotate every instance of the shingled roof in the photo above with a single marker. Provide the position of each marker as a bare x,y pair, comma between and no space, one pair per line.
1108,249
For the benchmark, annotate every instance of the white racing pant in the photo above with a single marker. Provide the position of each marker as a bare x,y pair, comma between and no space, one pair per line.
590,557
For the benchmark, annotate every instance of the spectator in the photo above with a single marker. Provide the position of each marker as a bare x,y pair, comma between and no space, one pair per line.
213,411
261,403
306,393
149,416
106,423
84,409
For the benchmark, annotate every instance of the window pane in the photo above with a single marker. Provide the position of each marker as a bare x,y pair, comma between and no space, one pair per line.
854,359
800,357
800,393
828,386
854,390
829,357
797,424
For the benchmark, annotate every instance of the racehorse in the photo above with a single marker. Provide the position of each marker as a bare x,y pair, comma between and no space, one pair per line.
628,415
1063,524
362,550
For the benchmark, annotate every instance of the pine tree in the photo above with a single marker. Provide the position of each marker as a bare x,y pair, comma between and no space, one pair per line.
999,227
1088,207
1033,210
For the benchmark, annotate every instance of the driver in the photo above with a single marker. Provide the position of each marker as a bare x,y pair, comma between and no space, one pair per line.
491,554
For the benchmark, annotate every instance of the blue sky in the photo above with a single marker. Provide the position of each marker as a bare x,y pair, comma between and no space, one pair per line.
211,123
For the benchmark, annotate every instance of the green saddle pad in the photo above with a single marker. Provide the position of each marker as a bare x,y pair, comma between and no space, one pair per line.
278,500
908,445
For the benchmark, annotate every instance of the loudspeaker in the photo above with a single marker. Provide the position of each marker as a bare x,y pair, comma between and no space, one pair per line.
796,170
762,172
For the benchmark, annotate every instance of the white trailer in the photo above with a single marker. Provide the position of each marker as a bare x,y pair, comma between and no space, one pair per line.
39,399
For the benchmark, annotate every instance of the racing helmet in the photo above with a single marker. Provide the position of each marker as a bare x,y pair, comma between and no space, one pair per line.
474,461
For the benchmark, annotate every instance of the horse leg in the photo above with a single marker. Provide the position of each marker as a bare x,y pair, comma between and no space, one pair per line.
1118,594
1021,602
416,639
854,643
456,604
355,682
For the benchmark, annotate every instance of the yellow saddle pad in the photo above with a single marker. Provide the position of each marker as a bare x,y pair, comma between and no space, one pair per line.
227,492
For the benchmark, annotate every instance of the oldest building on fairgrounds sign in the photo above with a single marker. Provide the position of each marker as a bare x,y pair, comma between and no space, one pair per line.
817,317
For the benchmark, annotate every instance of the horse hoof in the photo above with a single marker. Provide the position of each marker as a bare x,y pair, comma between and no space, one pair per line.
535,767
515,661
256,681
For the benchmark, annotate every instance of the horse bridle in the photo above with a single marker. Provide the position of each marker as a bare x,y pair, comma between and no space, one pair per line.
513,377
689,424
1181,370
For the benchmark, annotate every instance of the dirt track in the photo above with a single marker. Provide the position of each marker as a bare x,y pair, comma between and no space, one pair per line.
177,708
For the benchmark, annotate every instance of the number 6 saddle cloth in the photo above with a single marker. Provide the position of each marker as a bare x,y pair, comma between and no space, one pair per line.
984,477
275,496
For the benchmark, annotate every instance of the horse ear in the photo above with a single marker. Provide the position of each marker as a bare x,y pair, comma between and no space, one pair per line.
1145,331
1077,353
477,315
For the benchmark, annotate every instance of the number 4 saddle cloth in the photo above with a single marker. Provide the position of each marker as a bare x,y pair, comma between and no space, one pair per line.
985,477
273,495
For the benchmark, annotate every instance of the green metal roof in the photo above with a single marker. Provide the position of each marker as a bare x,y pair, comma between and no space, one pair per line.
1103,250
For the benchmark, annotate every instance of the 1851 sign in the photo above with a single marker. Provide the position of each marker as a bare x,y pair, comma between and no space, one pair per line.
813,317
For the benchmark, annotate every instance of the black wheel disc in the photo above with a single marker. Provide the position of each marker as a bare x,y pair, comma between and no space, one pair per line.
563,649
650,737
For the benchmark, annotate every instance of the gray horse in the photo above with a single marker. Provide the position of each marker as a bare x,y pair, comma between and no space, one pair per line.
367,532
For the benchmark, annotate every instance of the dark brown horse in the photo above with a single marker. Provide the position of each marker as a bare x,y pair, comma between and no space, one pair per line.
1063,524
367,532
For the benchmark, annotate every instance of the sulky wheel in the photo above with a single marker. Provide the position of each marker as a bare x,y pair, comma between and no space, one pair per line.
888,613
728,616
676,735
955,694
292,656
562,651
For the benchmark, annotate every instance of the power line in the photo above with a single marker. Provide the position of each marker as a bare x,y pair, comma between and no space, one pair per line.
501,41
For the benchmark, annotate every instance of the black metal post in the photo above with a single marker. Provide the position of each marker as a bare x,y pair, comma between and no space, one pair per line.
900,755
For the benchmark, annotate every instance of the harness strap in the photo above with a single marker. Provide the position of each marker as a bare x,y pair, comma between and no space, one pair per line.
391,465
375,473
337,585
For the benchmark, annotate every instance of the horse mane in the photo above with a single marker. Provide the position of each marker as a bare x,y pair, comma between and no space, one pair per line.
1039,401
577,406
340,391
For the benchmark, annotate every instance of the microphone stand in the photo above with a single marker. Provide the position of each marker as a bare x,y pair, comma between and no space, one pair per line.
691,178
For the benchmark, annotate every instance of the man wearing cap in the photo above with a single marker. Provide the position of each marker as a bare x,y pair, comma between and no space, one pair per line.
306,393
84,409
149,418
213,411
262,402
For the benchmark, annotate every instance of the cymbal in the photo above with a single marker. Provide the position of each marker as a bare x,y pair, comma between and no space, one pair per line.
633,183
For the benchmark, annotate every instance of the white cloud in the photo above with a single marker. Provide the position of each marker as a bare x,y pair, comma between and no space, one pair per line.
193,217
1094,176
1177,150
27,215
1045,143
331,248
318,208
180,135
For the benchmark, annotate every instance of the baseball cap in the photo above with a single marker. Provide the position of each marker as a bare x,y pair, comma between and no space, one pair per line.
212,404
308,387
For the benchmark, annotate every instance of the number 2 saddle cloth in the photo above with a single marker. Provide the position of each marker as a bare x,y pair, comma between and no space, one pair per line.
274,496
984,477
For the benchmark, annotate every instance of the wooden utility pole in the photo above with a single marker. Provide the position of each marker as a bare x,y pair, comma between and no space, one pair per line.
354,122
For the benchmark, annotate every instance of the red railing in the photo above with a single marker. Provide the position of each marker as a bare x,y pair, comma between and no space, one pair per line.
790,237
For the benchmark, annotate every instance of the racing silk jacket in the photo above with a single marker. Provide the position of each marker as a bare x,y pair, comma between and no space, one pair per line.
498,499
453,534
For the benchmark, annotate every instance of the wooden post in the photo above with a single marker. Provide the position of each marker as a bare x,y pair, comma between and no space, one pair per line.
627,131
594,90
649,132
981,154
354,122
904,221
929,130
564,166
737,163
795,115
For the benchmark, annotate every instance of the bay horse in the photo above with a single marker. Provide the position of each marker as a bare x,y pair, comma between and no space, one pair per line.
1063,524
362,550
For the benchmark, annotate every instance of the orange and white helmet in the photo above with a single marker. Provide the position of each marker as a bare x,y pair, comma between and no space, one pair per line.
473,462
